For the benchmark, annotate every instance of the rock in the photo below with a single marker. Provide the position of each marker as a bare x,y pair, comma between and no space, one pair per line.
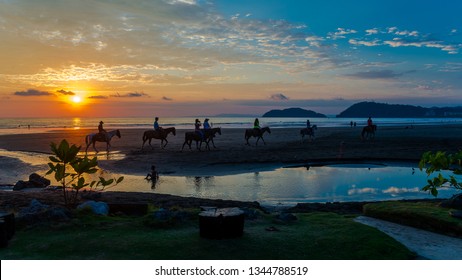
35,181
96,207
22,185
39,213
453,202
456,214
34,207
38,181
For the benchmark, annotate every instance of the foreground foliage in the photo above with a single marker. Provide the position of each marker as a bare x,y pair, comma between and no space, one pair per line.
69,170
435,163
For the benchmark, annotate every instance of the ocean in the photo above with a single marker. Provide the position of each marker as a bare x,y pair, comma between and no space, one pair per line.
33,125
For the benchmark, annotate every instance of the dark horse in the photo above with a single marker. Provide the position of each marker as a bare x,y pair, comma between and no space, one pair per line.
162,135
99,137
308,131
208,135
256,132
368,132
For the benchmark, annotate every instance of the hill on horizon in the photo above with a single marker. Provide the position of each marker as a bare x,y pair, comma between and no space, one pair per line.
383,110
293,113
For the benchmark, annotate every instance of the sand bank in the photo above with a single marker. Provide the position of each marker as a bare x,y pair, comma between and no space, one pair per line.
231,155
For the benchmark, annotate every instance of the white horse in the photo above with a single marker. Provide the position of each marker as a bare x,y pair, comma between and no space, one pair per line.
100,137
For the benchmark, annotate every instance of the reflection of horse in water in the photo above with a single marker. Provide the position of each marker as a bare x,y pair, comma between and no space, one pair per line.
308,131
158,134
101,137
368,132
206,137
256,132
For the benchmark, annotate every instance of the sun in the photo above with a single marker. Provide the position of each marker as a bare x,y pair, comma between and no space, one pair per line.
76,99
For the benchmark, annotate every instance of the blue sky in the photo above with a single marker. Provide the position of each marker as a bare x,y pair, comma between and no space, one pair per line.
186,57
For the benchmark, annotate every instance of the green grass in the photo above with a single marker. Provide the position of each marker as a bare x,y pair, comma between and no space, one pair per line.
425,215
321,236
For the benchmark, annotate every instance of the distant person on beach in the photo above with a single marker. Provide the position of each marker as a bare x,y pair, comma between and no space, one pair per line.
156,125
351,123
308,124
153,175
197,128
206,124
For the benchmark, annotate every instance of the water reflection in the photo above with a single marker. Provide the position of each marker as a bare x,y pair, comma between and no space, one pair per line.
288,186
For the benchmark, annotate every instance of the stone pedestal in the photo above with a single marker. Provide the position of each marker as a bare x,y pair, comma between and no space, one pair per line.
217,223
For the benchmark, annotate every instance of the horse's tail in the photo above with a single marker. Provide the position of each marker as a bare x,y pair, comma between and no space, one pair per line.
145,136
88,139
363,132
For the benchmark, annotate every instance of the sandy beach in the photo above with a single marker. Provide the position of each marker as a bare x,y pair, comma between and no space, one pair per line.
232,155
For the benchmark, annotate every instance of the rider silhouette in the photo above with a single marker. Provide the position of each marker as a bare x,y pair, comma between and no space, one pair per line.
102,131
197,128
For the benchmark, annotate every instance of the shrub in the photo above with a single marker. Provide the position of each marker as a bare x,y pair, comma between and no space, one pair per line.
438,161
69,170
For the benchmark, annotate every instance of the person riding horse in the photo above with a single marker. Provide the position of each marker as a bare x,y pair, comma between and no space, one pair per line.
256,125
156,125
101,131
369,122
197,128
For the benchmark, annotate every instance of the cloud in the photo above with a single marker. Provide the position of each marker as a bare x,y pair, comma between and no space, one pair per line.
364,43
372,31
341,32
32,92
399,42
129,95
279,97
166,98
376,74
98,97
64,92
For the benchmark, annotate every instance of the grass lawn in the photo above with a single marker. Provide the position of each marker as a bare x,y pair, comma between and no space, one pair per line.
319,236
426,215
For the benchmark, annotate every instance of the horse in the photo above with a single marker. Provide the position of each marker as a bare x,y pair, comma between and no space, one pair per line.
255,132
99,137
162,135
368,132
309,131
208,135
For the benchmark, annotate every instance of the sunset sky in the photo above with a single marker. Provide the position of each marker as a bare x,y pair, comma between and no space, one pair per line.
194,57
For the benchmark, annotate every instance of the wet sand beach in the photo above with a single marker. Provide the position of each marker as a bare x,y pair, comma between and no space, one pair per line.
232,155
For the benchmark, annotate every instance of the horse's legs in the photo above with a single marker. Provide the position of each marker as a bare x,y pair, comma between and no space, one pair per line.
264,143
94,148
185,141
166,142
213,143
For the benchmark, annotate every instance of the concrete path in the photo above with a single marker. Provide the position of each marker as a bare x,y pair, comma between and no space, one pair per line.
427,245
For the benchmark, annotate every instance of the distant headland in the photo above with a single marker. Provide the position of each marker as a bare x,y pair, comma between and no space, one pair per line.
293,113
384,110
373,109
